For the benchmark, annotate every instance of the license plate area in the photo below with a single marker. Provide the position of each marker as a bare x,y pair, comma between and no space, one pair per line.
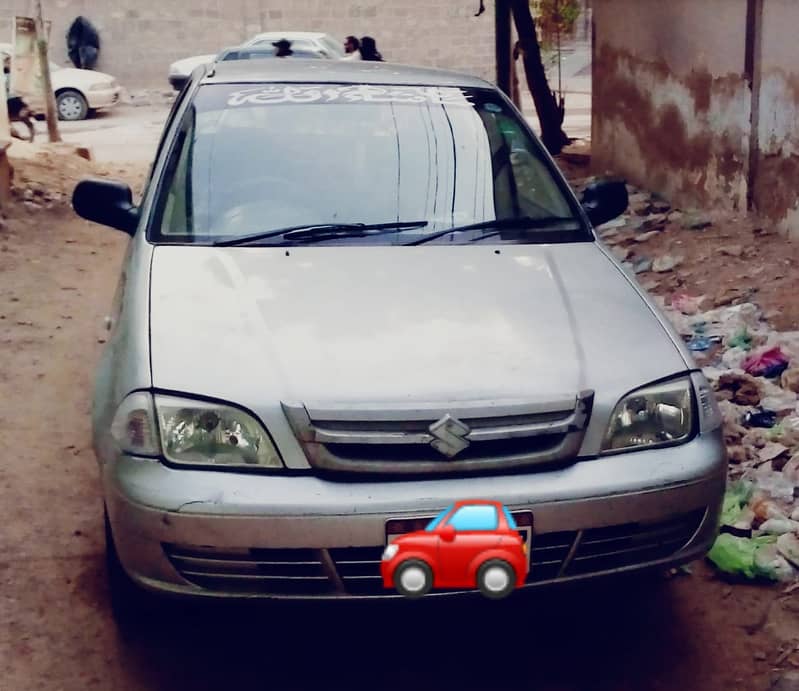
397,527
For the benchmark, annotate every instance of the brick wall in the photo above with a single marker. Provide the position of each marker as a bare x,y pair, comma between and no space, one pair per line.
140,39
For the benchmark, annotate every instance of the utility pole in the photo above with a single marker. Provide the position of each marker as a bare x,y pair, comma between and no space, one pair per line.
47,84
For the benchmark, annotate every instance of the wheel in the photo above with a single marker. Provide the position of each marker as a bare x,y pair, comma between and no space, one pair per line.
496,579
130,605
413,579
71,105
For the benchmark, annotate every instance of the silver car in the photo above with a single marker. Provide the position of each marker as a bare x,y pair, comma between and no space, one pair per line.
355,294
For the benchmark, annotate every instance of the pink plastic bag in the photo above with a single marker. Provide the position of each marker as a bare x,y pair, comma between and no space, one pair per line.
768,363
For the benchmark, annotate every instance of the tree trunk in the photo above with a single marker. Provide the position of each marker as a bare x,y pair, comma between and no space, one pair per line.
47,84
550,114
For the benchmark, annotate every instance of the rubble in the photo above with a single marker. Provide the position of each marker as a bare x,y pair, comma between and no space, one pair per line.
755,374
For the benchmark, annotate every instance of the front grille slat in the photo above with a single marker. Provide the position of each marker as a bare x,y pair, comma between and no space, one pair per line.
468,438
260,571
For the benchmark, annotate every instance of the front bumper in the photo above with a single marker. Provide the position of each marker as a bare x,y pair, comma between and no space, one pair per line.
107,98
204,533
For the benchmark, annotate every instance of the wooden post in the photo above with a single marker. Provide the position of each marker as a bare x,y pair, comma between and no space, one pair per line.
503,46
47,84
5,142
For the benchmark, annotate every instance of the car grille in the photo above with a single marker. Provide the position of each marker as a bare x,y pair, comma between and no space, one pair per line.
355,571
400,440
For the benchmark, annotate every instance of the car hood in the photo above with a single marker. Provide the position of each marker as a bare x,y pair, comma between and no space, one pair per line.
187,65
80,79
387,325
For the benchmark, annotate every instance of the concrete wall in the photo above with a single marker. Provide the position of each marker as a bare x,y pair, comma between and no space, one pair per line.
140,39
672,105
776,181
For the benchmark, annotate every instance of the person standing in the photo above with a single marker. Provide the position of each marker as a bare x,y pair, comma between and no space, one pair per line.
352,48
369,50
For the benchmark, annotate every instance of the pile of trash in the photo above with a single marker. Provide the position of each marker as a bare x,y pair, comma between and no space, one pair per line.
755,373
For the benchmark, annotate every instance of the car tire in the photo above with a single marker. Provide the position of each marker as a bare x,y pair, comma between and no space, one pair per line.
413,579
496,579
130,605
71,105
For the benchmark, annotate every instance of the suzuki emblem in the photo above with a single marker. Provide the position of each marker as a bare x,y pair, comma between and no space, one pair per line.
450,436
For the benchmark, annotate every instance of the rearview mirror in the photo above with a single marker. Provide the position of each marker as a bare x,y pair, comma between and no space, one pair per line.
448,533
106,202
605,200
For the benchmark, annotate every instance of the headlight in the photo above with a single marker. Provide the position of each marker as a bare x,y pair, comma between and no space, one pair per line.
197,433
390,552
653,416
133,427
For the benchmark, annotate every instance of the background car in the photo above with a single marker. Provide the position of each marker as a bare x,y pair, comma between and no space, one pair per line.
258,53
78,92
328,48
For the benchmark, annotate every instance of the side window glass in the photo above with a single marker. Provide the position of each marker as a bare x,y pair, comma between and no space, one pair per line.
176,205
475,518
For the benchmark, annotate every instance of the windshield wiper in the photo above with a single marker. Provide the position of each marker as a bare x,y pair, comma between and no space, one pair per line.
323,231
522,223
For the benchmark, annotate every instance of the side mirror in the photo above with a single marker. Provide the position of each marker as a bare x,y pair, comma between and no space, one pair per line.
448,533
605,200
106,202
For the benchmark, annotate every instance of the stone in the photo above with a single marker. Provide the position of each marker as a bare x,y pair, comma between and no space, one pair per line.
621,253
666,263
643,237
643,265
790,379
654,221
732,250
760,656
696,222
789,681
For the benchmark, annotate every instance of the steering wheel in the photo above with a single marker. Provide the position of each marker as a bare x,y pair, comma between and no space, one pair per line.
274,203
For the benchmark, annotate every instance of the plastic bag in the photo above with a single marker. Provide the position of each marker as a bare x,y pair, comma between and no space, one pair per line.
742,339
736,555
771,564
768,363
735,499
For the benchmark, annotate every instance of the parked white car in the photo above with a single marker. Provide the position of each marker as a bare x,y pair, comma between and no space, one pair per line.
329,47
77,92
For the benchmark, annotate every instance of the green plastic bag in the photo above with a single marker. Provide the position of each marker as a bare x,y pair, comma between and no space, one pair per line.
736,555
737,497
742,340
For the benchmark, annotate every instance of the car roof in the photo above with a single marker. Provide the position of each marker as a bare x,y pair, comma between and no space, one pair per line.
336,71
477,502
288,35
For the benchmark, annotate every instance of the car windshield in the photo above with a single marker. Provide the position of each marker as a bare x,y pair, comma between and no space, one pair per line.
437,520
253,160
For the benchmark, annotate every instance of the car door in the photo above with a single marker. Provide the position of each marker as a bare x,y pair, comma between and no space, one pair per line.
475,530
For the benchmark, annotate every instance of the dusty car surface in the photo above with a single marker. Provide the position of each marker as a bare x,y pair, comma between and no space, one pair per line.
354,295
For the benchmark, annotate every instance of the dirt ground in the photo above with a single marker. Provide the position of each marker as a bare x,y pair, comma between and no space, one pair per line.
57,275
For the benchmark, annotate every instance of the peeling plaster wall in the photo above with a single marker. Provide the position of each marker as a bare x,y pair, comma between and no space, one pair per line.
776,188
672,106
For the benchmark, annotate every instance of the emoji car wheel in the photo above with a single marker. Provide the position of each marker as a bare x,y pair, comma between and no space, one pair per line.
496,579
413,578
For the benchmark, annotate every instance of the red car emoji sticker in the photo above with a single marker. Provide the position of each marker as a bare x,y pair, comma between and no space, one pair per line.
470,544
